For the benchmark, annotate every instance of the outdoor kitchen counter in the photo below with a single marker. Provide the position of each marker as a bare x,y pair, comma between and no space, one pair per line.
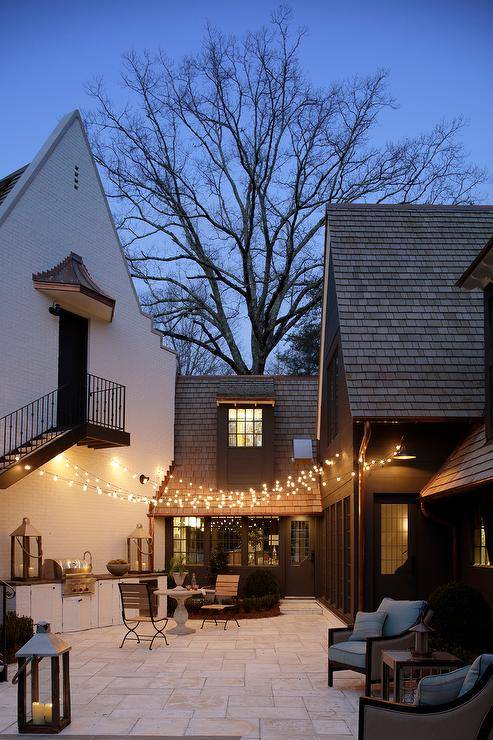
96,576
96,605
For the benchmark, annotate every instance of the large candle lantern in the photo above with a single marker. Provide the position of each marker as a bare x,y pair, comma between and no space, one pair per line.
140,551
26,553
43,680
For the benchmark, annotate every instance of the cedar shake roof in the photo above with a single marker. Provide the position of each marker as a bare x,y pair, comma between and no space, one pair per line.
470,465
412,342
295,412
7,183
72,276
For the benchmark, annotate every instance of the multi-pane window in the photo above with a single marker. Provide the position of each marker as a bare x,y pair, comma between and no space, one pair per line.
263,540
300,541
245,427
394,522
480,553
188,539
332,397
226,536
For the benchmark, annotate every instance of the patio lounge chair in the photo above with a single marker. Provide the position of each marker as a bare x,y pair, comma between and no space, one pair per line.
226,587
465,711
137,598
365,656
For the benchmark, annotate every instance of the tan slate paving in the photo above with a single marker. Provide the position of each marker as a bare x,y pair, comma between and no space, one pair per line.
265,679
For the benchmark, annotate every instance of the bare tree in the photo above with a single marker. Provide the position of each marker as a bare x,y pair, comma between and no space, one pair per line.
221,167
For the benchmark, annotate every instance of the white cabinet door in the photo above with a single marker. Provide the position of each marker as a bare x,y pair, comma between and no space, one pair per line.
105,603
117,608
46,604
76,613
23,601
94,603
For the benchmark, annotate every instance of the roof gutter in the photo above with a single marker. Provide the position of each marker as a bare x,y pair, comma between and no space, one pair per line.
362,513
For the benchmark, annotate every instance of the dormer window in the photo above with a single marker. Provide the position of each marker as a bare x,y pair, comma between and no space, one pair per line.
245,427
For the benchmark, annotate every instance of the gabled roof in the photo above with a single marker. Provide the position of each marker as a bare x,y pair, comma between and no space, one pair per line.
7,183
469,466
480,273
412,341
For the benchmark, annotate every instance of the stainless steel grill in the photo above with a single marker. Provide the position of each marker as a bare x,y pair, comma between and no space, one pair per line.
75,574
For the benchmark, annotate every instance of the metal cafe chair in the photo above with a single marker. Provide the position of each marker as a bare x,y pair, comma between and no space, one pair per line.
138,598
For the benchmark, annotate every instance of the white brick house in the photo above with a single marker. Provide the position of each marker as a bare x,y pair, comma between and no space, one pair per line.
54,207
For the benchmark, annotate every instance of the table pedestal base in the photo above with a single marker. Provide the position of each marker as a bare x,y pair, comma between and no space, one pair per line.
180,616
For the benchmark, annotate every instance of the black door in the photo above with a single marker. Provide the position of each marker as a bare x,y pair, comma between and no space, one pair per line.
299,556
395,522
72,369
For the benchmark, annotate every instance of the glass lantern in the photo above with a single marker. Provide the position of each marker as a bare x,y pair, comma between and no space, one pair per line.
26,553
140,551
43,680
421,640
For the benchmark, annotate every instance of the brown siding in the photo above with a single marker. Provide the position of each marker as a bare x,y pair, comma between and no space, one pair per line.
195,462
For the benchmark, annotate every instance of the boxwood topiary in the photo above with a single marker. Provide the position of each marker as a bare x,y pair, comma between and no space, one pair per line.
461,620
261,582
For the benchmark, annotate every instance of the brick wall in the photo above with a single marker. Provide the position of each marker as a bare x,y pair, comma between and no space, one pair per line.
50,219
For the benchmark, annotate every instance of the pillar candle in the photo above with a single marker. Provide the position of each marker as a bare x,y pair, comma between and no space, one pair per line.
48,712
38,713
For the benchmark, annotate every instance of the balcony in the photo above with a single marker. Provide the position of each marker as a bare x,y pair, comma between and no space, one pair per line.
90,412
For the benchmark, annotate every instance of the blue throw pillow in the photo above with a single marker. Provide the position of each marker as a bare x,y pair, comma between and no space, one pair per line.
401,615
475,672
368,624
434,690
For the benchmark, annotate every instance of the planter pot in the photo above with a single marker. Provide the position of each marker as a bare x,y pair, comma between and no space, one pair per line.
118,569
179,578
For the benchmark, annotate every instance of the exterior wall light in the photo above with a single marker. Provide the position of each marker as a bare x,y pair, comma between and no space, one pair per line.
143,479
402,452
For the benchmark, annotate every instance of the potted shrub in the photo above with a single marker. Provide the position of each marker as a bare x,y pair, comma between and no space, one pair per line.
461,620
262,582
177,569
118,567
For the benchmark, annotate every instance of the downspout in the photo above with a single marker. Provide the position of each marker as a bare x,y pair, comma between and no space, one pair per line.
362,513
453,528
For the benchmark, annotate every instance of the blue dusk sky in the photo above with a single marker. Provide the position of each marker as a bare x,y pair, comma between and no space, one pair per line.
438,53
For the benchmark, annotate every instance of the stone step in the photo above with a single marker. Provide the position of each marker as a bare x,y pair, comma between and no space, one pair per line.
306,605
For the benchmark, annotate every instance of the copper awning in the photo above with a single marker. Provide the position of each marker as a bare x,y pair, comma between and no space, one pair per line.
71,286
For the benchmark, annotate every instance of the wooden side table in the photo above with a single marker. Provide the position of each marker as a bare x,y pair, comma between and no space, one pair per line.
398,661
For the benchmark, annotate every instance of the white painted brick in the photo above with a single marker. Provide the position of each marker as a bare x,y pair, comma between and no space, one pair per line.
47,222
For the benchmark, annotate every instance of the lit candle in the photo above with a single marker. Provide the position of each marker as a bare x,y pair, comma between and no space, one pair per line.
48,713
31,571
38,713
144,566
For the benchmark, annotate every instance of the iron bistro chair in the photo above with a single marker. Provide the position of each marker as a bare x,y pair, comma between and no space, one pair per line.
226,587
138,597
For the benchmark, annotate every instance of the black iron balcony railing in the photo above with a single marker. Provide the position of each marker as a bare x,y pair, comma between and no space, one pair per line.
93,400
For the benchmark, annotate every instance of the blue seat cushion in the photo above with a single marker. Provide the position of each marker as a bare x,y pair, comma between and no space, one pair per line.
368,624
434,690
401,615
351,653
475,672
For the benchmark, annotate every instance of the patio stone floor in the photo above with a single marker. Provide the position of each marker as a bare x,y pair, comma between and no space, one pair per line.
265,679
